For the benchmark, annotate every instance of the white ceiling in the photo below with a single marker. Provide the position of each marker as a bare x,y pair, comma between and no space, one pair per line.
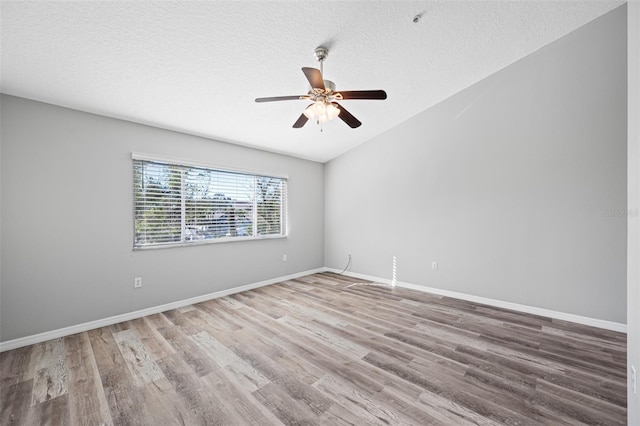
197,67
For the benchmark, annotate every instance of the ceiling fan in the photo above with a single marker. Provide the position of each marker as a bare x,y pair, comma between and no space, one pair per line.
324,96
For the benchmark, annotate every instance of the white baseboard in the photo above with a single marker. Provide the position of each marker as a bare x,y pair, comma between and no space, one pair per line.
67,331
593,322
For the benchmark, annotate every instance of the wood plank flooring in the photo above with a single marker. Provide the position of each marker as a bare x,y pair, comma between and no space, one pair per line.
321,350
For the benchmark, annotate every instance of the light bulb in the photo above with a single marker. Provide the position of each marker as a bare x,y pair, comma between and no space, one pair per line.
332,111
315,110
321,111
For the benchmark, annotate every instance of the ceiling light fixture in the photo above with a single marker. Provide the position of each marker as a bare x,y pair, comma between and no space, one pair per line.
321,111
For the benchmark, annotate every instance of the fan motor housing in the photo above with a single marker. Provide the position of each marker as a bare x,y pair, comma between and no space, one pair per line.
330,85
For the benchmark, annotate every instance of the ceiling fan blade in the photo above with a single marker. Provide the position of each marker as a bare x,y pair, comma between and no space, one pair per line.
364,94
280,98
347,117
302,120
315,77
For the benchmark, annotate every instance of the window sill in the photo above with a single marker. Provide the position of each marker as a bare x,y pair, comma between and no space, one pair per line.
208,242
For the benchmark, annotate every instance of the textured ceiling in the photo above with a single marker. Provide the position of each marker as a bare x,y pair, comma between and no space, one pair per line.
197,67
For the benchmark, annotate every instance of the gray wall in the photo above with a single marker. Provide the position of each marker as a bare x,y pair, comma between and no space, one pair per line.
67,220
516,185
633,241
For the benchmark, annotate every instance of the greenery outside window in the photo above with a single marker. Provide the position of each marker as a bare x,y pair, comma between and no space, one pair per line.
176,204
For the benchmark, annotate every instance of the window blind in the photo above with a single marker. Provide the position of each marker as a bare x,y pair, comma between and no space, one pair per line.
178,204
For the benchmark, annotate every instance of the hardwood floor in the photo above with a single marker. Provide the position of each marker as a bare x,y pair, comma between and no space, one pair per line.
321,350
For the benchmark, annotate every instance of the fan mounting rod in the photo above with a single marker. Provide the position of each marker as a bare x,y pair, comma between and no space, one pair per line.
321,54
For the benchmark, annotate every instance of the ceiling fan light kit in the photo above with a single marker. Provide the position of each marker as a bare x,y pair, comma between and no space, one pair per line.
321,111
324,96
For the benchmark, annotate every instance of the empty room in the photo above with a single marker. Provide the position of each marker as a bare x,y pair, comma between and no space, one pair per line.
319,212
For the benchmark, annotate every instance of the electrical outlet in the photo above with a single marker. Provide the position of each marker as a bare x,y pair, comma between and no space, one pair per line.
434,266
634,380
137,282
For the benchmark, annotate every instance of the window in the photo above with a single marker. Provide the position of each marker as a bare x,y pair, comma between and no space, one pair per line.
180,204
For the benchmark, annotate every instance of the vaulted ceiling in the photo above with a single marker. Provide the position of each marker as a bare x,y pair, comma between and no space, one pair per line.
197,66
